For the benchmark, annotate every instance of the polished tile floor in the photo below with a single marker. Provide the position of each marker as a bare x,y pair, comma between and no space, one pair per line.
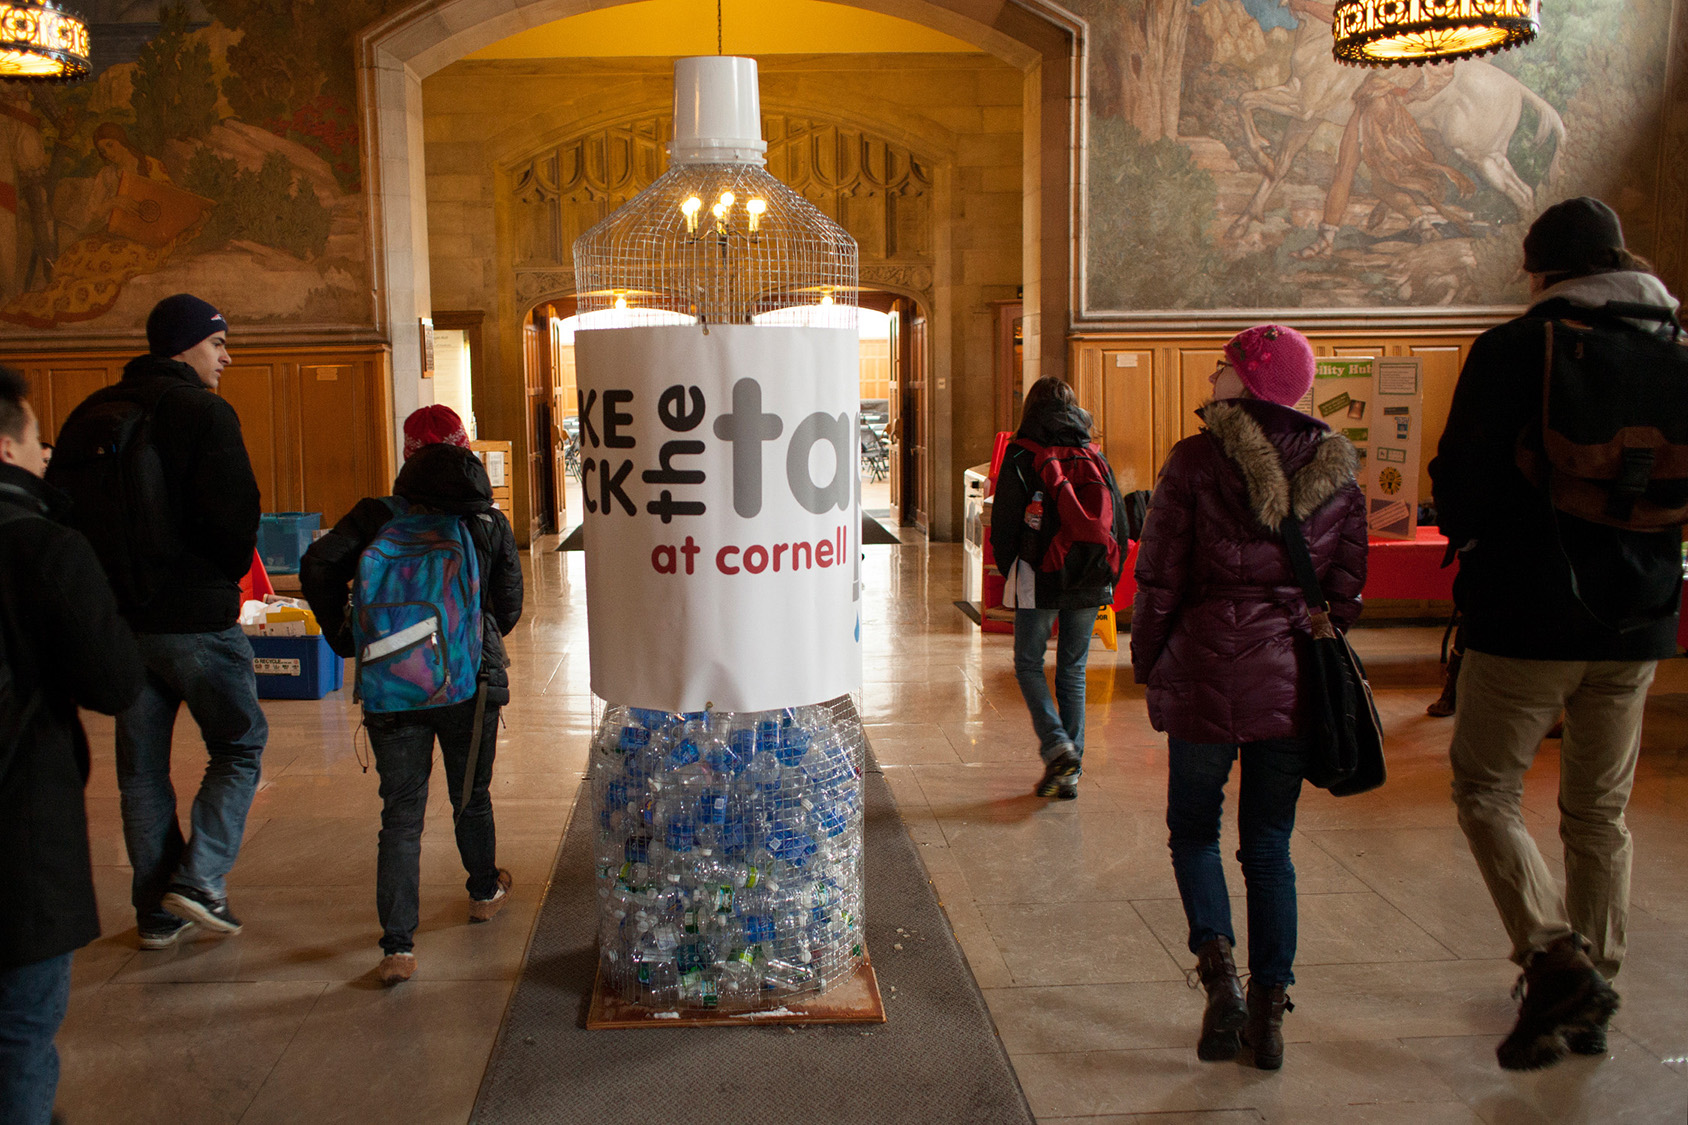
1066,910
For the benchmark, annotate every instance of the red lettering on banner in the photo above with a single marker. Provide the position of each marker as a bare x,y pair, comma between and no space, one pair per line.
823,553
721,560
807,552
759,554
662,559
780,549
757,557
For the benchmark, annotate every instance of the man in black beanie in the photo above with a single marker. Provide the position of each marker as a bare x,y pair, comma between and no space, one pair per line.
174,518
1560,612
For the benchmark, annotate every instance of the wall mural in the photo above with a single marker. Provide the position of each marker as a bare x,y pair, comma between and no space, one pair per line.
215,144
1234,164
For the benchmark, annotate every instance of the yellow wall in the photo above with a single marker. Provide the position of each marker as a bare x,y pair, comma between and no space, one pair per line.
664,28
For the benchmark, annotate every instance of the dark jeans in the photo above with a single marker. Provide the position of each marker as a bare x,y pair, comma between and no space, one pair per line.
403,744
212,674
32,1003
1058,718
1271,785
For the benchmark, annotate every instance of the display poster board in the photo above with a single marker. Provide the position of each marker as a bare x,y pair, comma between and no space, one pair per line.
1397,429
722,497
1378,404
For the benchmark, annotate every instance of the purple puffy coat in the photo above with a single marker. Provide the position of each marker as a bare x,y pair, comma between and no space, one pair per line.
1219,627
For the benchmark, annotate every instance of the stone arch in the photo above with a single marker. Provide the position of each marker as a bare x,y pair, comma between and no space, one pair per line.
1045,41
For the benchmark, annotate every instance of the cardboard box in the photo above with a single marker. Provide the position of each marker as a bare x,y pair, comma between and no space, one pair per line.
295,667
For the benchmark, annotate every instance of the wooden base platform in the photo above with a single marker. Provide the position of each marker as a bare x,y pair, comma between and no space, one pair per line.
856,1000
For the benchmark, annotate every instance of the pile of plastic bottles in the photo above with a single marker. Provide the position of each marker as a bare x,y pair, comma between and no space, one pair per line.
728,854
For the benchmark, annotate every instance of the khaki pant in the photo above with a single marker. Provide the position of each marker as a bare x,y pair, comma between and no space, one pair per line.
1506,706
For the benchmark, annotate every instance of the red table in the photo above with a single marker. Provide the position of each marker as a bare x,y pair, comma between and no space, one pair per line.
1409,569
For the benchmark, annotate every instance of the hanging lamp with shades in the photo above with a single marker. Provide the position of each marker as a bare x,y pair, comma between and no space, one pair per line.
1415,32
41,41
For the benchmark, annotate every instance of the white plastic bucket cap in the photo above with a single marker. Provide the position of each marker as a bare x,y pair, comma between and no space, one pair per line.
717,112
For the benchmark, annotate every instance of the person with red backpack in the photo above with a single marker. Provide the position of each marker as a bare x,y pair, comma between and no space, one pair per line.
1221,634
1058,529
421,588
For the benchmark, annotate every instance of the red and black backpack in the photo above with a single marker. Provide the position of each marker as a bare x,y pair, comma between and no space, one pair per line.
1079,544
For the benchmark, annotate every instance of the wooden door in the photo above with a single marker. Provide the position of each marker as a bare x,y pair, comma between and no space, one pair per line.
560,402
536,368
1010,362
894,411
918,420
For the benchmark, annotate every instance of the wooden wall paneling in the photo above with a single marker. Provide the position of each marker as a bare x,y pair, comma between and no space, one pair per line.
1442,364
254,387
58,388
1128,404
334,439
1195,366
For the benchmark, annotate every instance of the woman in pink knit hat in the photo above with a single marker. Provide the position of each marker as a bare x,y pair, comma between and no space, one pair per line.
1219,633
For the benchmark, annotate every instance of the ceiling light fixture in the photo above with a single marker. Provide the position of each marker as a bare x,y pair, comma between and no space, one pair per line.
41,41
1415,32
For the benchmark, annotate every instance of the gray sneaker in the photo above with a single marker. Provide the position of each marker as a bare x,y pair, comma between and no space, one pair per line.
198,906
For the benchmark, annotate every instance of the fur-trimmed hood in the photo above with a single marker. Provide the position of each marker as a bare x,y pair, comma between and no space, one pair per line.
1274,494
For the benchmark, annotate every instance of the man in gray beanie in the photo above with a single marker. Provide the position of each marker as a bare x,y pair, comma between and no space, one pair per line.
174,519
1561,612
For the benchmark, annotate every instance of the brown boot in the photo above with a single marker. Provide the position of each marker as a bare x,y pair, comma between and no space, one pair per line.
1225,1012
1565,998
1264,1032
1444,705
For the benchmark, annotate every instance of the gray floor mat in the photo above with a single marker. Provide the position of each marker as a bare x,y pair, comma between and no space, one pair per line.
937,1058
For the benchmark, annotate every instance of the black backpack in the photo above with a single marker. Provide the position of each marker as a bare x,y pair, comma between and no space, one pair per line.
1611,443
16,709
105,459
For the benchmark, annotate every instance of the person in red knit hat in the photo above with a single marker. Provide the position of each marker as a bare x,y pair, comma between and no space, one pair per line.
433,425
440,475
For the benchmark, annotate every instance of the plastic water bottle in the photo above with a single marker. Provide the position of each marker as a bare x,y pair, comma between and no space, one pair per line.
1033,517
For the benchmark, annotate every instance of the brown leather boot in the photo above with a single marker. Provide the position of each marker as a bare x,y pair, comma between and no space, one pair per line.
1565,1000
1225,1012
1264,1032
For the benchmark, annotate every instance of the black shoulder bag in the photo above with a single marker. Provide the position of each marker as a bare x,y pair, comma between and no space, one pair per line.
1344,734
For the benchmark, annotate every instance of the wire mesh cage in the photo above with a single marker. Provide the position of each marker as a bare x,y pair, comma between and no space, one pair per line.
728,844
718,243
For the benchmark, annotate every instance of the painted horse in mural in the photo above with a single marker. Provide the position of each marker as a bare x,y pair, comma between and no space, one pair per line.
1475,114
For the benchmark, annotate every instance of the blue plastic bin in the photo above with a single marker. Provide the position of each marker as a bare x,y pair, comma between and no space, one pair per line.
283,538
295,667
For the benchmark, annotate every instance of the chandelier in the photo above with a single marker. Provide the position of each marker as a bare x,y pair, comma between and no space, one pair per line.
42,41
1414,32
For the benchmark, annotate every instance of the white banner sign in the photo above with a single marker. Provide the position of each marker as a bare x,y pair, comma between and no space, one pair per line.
723,514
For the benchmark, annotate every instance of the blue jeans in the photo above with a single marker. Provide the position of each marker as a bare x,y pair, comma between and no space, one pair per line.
32,1003
1195,794
403,744
1072,649
212,674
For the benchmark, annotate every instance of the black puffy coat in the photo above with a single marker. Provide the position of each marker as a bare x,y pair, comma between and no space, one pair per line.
1219,628
1514,587
441,478
1062,424
212,491
64,637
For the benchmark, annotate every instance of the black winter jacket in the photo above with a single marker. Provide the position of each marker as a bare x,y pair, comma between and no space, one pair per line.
1514,585
64,638
442,478
1016,481
212,491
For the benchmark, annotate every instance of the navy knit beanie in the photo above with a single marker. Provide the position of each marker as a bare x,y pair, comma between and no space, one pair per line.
178,323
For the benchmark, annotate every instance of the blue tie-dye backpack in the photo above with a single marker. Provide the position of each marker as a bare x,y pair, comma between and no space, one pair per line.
416,613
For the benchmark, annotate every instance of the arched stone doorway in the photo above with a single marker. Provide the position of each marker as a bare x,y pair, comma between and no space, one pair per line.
876,187
1043,42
